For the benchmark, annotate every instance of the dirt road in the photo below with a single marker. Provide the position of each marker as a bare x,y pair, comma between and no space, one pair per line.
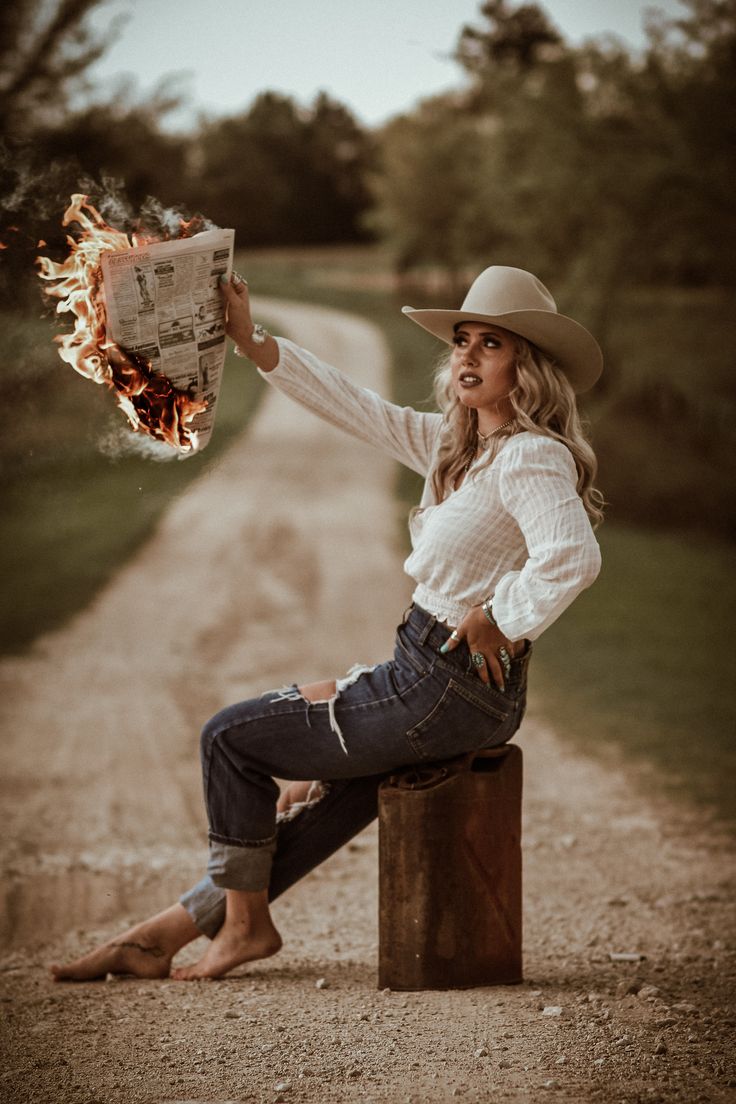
283,564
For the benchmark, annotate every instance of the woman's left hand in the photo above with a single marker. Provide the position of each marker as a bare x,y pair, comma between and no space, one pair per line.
490,650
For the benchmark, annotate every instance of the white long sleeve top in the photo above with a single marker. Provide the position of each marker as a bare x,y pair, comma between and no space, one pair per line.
516,529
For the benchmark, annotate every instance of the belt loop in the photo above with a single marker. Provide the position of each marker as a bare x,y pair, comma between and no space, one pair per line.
431,622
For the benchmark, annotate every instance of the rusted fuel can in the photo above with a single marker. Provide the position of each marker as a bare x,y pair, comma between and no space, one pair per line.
450,873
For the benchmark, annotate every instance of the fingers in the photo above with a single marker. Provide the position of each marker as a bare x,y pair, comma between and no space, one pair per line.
235,288
481,666
497,672
452,642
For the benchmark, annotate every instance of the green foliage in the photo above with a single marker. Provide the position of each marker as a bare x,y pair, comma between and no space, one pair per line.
281,174
591,166
637,663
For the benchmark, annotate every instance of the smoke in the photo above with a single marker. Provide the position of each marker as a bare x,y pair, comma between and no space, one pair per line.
120,443
108,196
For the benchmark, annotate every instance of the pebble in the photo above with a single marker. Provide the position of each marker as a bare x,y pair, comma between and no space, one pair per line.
648,992
505,1064
561,1061
322,983
625,956
552,1010
233,1015
282,1086
598,1061
661,1047
481,1052
686,1007
551,1084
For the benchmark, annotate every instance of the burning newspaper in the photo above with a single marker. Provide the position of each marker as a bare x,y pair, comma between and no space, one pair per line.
149,322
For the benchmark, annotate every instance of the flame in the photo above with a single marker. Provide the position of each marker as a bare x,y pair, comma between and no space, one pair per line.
151,403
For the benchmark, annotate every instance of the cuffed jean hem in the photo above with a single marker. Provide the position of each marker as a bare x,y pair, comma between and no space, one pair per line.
204,903
245,867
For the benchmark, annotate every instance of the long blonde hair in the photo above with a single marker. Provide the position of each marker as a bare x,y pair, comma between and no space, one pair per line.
542,401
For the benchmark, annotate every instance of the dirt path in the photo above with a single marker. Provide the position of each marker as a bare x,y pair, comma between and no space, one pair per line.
283,565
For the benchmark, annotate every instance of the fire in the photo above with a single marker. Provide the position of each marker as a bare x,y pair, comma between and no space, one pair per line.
149,400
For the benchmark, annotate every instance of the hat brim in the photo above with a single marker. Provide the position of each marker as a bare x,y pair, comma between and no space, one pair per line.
569,344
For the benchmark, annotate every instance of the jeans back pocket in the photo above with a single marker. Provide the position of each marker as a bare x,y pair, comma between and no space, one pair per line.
460,720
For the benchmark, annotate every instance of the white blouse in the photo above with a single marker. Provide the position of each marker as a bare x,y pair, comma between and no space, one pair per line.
516,529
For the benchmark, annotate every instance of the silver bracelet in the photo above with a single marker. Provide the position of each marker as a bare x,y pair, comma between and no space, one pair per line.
258,337
488,611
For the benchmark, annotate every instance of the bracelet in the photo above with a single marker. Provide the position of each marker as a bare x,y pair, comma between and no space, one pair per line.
257,337
488,611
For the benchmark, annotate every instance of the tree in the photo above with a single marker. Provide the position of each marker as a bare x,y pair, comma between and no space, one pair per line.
282,174
44,51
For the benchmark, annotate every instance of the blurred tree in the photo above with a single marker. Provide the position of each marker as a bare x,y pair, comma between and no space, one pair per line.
593,166
515,39
45,49
282,174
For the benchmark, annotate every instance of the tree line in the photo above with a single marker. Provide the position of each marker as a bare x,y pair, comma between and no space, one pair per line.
598,165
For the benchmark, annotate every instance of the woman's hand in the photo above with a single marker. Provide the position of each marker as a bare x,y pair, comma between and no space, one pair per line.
485,641
238,321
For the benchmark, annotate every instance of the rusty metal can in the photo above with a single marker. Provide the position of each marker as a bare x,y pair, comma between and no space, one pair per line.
450,873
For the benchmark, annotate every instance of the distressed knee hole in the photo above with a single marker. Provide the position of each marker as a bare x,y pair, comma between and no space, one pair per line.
317,790
319,691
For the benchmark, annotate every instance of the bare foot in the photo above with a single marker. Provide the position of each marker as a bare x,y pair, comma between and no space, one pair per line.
145,951
231,947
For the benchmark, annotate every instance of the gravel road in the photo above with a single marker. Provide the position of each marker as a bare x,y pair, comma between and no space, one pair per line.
284,564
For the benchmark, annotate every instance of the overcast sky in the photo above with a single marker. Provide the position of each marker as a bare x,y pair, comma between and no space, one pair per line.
376,56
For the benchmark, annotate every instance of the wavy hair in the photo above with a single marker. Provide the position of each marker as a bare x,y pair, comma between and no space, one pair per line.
542,401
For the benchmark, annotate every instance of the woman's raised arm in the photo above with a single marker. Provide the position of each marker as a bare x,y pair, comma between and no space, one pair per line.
239,324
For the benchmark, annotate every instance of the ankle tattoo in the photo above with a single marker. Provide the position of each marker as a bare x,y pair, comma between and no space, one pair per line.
155,951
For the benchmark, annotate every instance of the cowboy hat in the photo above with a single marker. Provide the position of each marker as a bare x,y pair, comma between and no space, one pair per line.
517,301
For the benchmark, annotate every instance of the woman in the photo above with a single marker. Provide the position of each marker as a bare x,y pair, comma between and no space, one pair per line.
502,542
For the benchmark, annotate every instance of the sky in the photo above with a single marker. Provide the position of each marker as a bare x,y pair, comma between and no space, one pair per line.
377,56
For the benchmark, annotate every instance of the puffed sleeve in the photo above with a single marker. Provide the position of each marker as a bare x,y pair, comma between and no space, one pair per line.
408,435
537,477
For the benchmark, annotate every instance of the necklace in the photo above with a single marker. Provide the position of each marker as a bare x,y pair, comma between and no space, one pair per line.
484,438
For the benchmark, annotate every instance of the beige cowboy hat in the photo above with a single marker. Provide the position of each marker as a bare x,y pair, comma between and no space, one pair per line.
517,301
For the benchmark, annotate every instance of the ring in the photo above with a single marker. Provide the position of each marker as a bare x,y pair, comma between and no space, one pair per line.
453,635
239,278
505,658
478,659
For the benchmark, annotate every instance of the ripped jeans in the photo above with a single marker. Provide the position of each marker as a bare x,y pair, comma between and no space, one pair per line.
421,706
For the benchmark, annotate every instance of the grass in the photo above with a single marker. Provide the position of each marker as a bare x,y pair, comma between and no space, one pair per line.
639,661
73,513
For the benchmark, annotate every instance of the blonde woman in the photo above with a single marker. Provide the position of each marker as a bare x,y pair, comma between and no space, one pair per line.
502,542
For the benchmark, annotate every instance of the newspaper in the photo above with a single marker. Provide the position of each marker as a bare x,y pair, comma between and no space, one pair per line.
163,303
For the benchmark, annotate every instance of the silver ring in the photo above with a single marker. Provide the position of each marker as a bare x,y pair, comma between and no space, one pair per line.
478,659
453,635
505,658
239,278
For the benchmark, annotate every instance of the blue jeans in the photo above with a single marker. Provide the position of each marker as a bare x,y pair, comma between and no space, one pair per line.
419,707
